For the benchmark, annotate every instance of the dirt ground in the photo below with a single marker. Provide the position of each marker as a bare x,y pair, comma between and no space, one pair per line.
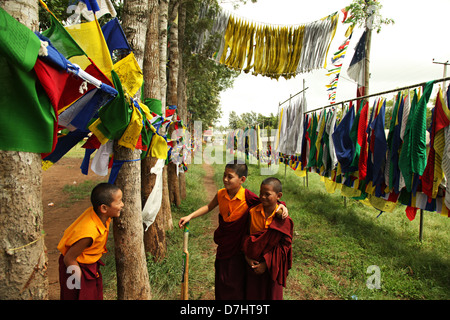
58,214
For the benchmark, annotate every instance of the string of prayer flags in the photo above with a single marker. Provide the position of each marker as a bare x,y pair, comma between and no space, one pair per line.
268,50
337,61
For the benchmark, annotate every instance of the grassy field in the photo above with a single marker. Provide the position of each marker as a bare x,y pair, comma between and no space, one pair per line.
334,245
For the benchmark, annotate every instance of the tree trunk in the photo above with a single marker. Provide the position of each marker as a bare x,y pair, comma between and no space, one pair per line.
131,265
163,17
23,257
134,24
172,95
155,236
182,97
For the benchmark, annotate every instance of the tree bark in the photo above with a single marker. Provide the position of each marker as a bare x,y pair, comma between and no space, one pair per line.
172,96
163,17
23,257
155,236
134,24
131,265
182,97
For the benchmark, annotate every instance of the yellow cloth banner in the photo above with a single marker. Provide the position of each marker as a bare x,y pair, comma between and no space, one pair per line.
159,147
131,135
89,37
379,203
100,136
130,74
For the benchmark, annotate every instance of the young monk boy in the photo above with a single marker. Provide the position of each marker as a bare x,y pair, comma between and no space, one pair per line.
233,201
267,248
84,243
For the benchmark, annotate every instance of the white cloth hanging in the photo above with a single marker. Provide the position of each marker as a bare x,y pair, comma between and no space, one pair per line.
100,162
153,203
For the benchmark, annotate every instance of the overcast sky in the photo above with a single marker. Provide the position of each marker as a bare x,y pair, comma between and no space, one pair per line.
401,54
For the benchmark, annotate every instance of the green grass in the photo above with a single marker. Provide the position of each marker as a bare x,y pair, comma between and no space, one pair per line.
333,246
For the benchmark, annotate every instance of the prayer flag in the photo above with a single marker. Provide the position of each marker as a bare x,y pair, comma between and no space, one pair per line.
114,117
379,146
343,144
90,38
418,132
356,69
28,118
115,37
433,173
62,40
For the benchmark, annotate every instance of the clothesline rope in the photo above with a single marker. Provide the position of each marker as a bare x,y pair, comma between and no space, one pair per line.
281,103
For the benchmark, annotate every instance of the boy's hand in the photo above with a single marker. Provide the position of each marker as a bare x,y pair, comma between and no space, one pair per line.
282,212
183,221
251,262
260,268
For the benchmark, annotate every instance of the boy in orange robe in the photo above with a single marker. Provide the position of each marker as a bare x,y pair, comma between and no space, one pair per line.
84,243
268,247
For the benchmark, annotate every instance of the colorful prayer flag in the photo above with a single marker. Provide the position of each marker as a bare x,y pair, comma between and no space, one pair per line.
356,69
28,118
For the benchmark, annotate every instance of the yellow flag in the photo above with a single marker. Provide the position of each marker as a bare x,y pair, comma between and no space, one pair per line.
130,74
158,147
131,134
89,37
100,136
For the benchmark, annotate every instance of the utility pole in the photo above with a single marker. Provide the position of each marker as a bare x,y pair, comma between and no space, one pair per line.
446,63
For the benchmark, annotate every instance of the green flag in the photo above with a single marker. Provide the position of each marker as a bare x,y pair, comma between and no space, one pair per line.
28,119
404,162
62,40
418,132
115,116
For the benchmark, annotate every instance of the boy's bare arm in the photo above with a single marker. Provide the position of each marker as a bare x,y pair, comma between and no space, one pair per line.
199,212
70,258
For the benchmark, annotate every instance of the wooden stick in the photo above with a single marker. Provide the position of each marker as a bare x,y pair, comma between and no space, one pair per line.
185,278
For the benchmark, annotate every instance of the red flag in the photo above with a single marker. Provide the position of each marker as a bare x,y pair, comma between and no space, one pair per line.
362,141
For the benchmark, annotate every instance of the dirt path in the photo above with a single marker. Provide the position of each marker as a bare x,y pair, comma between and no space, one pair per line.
211,190
58,214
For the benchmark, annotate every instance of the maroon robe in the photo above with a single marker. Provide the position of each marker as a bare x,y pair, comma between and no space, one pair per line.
91,282
230,262
274,246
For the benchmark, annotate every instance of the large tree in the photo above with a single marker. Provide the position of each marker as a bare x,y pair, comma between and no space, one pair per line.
23,257
206,79
131,266
172,95
155,236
